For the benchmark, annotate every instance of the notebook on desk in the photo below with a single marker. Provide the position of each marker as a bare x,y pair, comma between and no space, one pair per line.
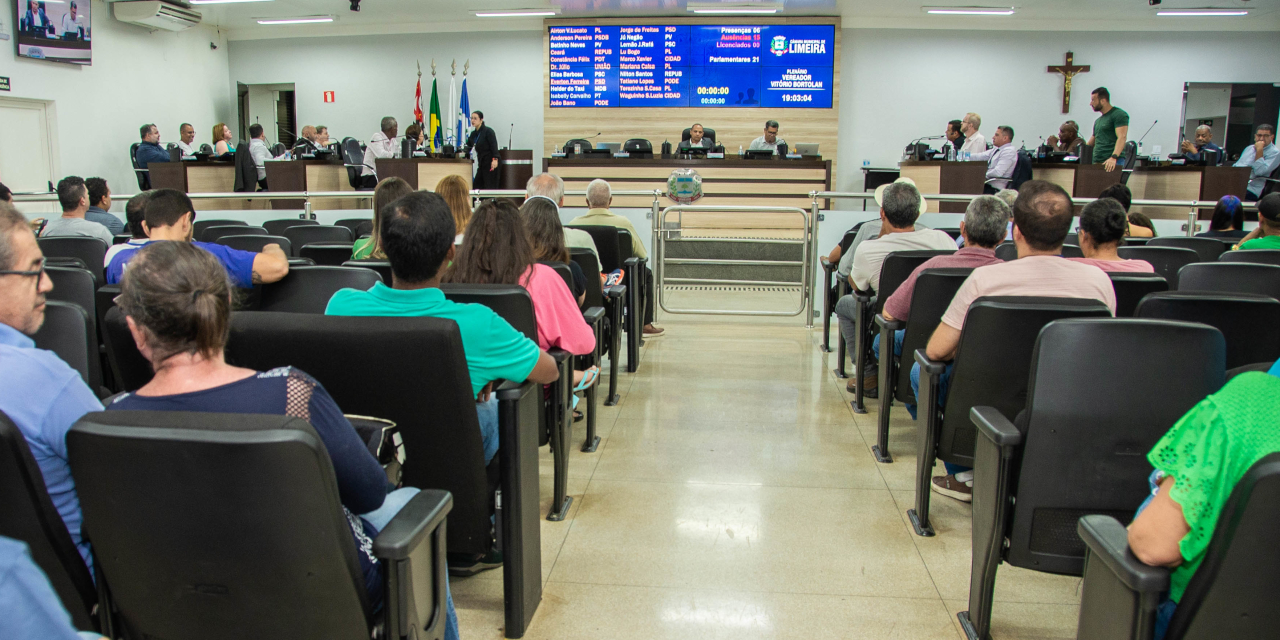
807,148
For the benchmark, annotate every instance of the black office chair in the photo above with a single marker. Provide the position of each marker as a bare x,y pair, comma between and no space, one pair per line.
638,148
218,570
27,514
213,234
256,242
1243,318
990,369
1131,287
615,253
198,227
91,251
205,149
413,372
353,160
1230,595
307,234
383,267
707,133
70,332
143,176
308,289
246,172
1226,277
1065,458
1021,170
577,142
894,271
327,253
513,303
611,299
1255,256
1128,161
932,295
356,225
277,149
1166,260
1209,249
277,227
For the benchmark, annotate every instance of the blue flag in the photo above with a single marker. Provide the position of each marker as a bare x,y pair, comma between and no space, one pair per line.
463,116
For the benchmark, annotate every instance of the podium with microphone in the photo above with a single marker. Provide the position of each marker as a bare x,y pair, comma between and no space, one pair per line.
941,176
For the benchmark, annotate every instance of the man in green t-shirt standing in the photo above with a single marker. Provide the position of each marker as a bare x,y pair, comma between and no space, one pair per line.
1110,130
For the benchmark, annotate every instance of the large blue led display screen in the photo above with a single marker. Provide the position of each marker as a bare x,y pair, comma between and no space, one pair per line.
775,66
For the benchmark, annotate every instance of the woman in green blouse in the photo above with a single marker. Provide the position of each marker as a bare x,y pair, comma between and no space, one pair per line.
387,191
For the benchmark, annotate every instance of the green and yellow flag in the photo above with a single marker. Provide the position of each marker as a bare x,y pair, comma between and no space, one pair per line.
435,133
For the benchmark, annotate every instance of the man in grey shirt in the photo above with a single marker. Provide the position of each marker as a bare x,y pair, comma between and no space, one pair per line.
100,206
73,195
769,141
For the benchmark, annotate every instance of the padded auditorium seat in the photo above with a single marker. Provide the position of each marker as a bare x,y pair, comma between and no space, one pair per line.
72,333
1131,287
1207,248
303,235
1243,319
1262,279
256,242
1063,458
383,267
1231,594
27,514
1166,260
1256,256
614,246
196,556
327,253
308,289
198,227
611,299
277,227
90,251
212,234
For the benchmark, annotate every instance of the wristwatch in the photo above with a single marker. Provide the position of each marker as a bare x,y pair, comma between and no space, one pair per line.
1115,156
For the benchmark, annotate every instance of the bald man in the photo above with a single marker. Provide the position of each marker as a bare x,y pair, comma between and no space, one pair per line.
1204,142
1068,138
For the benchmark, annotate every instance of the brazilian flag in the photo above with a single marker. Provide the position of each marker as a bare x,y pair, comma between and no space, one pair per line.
435,133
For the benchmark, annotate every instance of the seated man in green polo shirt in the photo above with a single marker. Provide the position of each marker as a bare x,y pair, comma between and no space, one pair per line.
417,235
1267,234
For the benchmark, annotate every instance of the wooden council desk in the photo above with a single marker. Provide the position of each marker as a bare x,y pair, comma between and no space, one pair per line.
939,176
312,175
1150,183
725,182
202,176
424,173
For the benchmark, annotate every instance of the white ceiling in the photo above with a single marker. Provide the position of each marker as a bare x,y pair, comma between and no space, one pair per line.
410,16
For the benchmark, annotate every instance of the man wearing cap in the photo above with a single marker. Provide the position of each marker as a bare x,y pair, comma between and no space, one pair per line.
1267,235
900,206
869,230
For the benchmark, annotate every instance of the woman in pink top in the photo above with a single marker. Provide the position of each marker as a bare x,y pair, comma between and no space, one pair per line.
1102,228
495,250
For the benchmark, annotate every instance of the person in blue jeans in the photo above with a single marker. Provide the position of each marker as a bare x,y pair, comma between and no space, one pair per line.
176,299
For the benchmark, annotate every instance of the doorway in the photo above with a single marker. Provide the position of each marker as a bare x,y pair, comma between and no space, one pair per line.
27,141
272,106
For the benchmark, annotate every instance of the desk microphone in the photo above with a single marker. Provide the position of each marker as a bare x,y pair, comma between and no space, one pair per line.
510,134
1144,136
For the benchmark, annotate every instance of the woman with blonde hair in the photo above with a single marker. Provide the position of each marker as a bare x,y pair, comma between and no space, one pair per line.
455,192
222,139
387,191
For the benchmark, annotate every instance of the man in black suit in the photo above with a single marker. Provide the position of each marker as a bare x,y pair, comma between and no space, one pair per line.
484,143
36,21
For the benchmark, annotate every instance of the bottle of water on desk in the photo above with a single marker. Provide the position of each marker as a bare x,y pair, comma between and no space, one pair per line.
951,153
739,151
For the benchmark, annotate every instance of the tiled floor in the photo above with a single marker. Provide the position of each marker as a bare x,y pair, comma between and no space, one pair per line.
734,495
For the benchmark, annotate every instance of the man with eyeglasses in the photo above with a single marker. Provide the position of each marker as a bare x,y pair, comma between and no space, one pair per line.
39,392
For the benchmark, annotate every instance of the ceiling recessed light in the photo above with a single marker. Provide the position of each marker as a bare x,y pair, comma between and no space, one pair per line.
741,8
969,11
518,13
298,20
222,1
1202,12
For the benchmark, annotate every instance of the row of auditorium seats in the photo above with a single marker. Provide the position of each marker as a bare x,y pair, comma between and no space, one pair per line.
371,366
1040,385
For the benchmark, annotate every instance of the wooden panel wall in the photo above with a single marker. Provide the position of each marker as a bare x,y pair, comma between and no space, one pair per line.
734,126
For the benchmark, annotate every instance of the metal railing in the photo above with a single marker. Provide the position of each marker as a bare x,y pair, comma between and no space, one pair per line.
662,233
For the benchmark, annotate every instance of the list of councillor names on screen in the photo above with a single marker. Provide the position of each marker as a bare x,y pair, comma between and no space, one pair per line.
776,66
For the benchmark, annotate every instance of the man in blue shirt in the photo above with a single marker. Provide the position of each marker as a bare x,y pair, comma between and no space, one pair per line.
38,391
169,216
29,607
1262,158
1204,142
100,206
150,150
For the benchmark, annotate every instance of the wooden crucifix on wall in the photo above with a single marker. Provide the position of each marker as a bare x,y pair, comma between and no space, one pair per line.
1068,71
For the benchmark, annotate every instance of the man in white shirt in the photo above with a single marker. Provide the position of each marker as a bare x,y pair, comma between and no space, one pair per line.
870,230
186,139
381,145
258,150
1001,160
898,213
73,24
769,141
73,195
973,141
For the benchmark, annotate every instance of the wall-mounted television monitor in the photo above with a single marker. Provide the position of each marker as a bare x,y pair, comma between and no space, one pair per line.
774,66
54,30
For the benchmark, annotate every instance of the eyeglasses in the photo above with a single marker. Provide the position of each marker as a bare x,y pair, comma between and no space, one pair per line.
38,273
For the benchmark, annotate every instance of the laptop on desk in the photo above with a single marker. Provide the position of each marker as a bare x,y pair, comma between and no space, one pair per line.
807,149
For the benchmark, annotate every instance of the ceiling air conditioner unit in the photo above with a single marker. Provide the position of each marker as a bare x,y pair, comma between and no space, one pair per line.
156,15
